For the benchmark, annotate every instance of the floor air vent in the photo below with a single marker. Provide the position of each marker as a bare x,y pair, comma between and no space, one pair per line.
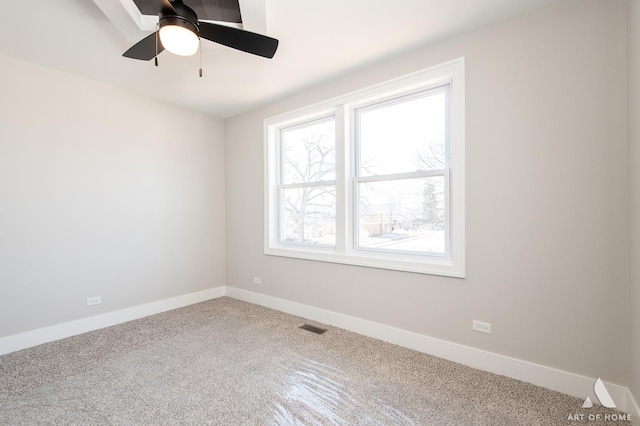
313,329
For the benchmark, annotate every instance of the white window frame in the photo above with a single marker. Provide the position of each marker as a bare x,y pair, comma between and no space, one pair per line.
343,110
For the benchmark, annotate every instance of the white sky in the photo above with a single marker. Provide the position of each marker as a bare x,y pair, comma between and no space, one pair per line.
392,136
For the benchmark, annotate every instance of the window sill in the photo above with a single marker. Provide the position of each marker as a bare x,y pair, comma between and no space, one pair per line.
442,266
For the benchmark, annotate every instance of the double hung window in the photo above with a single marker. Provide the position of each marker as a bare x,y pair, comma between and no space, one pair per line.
373,178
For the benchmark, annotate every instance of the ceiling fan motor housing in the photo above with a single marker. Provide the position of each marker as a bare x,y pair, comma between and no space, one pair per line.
184,17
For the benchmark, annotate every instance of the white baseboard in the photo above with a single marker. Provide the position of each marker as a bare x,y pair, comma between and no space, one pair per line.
28,339
548,377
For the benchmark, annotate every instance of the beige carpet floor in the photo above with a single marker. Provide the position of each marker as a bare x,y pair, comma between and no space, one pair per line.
227,362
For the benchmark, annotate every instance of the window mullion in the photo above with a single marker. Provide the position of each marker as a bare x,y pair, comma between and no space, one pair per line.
351,168
341,179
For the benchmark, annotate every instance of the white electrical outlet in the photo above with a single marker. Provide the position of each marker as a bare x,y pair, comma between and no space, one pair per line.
257,280
482,327
94,301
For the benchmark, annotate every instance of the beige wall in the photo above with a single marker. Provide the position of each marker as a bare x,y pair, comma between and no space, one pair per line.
634,191
546,200
102,193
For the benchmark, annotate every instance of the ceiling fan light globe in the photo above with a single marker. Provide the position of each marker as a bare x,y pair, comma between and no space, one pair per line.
179,40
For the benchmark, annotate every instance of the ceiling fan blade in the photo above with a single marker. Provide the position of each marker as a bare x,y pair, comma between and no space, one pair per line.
246,41
145,49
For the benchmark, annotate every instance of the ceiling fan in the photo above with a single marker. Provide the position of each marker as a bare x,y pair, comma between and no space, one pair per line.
180,32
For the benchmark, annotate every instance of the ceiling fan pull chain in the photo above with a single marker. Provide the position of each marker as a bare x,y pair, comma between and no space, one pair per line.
157,35
200,58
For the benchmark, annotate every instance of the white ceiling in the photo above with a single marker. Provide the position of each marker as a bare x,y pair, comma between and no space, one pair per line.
318,40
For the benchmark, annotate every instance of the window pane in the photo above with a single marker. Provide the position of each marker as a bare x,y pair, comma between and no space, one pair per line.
403,215
309,215
309,152
404,136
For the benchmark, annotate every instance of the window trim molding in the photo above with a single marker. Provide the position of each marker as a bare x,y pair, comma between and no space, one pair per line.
342,109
